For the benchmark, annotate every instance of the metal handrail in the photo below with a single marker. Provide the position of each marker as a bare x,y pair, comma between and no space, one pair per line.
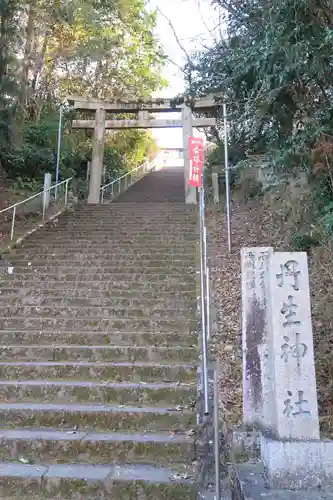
203,268
43,192
205,305
119,179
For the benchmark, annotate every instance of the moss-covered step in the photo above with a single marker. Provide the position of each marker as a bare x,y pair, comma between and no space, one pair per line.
175,395
110,278
33,297
101,237
130,253
94,482
50,446
90,338
105,312
95,417
29,259
82,370
96,323
97,247
71,288
97,353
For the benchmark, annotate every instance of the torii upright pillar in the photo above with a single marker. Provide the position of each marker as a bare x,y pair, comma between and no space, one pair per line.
96,169
190,192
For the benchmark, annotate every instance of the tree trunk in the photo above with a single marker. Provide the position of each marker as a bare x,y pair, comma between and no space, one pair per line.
28,51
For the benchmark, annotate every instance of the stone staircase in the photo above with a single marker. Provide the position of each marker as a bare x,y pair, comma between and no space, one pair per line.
98,352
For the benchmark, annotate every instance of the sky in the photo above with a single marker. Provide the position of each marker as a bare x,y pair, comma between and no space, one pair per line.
194,22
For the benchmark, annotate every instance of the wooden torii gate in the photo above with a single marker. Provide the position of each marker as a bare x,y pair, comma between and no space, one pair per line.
141,110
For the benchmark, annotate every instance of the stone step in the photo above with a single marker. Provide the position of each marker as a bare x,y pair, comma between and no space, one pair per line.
97,353
96,323
96,418
113,212
108,266
134,220
69,292
155,206
135,273
126,221
162,175
55,269
34,259
92,482
83,258
112,279
153,215
113,247
120,229
108,213
116,288
122,226
115,250
167,394
107,312
92,238
57,298
52,446
111,371
33,337
145,210
116,238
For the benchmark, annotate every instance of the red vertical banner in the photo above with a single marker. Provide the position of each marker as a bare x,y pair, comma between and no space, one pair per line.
195,156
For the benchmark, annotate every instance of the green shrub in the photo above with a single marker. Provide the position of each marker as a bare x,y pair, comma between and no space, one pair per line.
304,242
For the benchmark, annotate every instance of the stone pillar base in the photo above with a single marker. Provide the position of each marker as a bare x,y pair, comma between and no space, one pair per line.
297,465
248,482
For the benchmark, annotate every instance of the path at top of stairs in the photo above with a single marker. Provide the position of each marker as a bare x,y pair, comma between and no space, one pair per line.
98,352
163,186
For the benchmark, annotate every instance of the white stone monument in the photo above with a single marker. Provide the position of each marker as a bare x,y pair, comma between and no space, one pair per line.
291,349
255,333
279,370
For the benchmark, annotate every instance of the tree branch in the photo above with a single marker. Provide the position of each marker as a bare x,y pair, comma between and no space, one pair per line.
188,59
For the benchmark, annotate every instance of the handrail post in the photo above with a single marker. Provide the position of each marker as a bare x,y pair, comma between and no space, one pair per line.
44,203
13,224
66,191
102,195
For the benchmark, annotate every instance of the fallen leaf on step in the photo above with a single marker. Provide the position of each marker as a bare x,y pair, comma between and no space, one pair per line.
190,432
